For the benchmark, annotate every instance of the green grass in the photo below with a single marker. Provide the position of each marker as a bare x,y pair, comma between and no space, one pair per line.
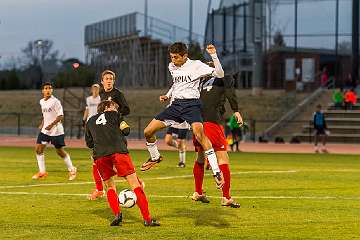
73,217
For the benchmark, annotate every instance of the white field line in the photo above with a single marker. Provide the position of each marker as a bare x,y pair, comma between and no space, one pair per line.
155,178
174,196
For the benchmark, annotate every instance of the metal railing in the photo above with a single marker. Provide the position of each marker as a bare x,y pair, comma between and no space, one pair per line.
26,124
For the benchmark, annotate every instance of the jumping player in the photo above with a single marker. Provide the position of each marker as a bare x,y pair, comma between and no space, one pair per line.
186,74
214,93
108,92
52,131
105,135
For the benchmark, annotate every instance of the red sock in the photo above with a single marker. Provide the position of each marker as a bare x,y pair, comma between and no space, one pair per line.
97,178
198,172
226,172
142,203
113,200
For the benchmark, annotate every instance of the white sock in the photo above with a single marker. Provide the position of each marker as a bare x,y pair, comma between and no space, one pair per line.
211,156
68,162
174,143
182,156
41,162
153,150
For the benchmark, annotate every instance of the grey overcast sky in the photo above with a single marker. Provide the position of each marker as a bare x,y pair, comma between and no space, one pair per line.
63,21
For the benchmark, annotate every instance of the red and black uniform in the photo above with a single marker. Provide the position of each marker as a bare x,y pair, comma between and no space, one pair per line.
117,96
109,145
214,93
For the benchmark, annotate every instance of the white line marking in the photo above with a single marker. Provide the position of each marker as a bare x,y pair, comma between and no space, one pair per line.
145,179
216,197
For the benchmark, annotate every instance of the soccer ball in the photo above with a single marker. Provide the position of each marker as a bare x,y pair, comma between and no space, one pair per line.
127,198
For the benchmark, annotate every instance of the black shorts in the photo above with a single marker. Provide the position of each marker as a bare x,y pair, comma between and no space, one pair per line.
177,133
57,141
320,131
181,110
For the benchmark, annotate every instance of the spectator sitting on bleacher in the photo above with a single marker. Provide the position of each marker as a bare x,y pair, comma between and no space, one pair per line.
338,98
320,128
350,99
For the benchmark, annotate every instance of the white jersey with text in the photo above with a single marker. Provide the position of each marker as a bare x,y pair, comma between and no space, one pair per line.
91,105
186,78
51,109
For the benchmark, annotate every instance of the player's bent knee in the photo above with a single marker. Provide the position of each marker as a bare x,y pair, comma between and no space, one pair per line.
148,133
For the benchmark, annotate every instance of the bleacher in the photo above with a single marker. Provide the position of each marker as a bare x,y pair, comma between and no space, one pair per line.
344,125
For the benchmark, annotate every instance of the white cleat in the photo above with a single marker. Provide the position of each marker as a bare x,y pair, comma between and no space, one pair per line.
72,174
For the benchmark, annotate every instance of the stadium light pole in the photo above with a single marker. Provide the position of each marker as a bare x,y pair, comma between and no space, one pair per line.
355,41
190,20
146,18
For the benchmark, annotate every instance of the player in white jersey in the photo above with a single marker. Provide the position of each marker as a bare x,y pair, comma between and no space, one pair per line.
186,75
176,137
92,102
52,131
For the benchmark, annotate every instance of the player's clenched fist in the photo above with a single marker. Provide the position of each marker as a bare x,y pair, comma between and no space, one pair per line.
211,49
163,98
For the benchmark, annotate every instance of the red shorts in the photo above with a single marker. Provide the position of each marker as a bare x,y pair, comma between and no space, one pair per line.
215,133
115,164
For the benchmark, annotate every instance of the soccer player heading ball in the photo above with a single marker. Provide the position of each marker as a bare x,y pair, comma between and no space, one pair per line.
186,75
52,131
105,134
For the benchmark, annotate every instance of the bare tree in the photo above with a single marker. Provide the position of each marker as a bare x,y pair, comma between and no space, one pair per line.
39,51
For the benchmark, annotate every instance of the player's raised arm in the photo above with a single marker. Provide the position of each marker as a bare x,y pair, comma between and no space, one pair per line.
219,72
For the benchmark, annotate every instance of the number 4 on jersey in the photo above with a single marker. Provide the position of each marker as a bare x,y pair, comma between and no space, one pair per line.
101,120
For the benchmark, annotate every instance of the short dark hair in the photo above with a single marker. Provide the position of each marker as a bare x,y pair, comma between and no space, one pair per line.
46,84
106,104
178,47
318,106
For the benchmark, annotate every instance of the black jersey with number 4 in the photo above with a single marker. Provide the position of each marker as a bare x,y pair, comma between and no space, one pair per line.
104,136
117,96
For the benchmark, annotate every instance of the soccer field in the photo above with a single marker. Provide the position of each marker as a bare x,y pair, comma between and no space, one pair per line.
282,196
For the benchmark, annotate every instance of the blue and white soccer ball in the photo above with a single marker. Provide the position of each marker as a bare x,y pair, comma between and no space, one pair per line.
127,198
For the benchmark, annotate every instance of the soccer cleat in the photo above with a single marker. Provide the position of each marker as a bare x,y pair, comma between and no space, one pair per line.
219,180
202,198
40,175
229,203
150,163
324,150
117,220
95,195
151,223
181,165
72,174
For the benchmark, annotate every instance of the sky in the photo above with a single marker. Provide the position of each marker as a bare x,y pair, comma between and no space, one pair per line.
63,21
